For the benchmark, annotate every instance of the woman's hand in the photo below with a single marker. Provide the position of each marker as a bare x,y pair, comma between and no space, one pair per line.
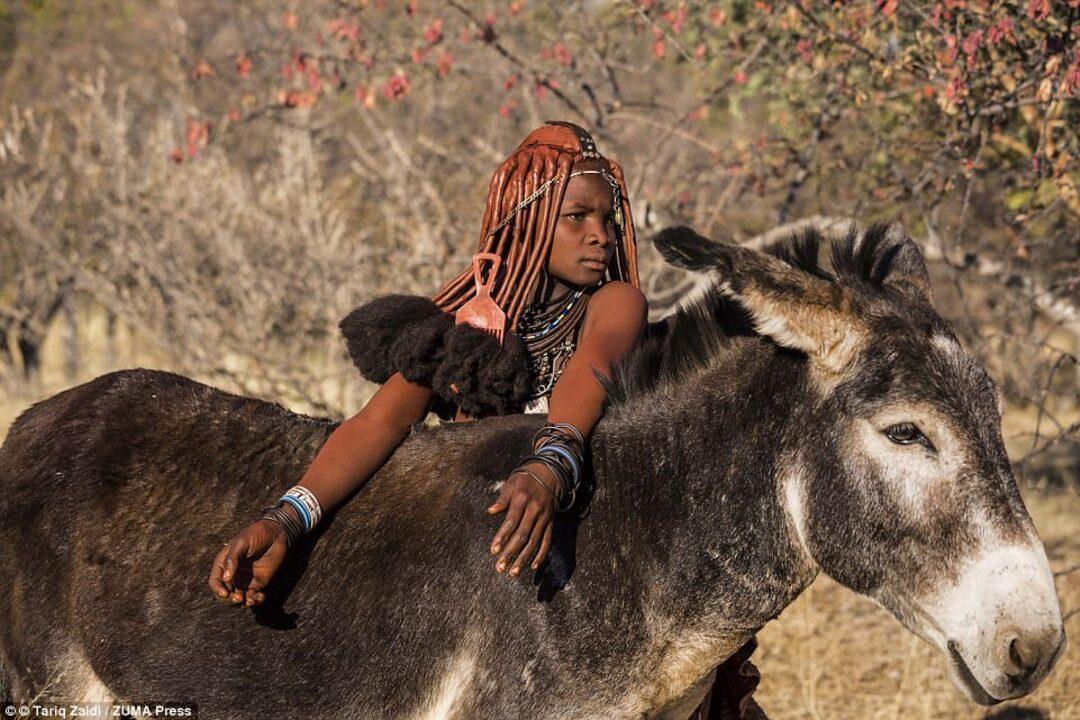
526,532
247,562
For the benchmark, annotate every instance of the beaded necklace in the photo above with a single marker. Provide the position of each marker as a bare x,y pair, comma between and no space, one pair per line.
549,331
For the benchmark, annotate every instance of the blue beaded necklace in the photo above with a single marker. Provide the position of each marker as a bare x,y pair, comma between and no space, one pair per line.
543,332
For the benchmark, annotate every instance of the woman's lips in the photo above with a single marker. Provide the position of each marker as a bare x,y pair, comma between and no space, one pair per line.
594,264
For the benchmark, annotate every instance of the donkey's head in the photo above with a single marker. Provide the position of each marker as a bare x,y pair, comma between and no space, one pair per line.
899,486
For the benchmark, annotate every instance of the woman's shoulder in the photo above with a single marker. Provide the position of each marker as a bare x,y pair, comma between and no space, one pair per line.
619,296
616,306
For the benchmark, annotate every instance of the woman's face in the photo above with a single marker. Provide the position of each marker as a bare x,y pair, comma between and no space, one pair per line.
584,233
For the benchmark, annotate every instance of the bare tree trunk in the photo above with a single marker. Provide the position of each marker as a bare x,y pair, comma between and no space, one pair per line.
29,344
110,339
71,339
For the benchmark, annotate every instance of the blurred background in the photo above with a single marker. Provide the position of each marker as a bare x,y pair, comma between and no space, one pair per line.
209,186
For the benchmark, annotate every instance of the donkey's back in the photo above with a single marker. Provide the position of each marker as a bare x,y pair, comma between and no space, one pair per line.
115,496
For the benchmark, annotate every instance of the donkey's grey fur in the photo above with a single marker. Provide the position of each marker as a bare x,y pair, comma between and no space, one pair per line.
115,495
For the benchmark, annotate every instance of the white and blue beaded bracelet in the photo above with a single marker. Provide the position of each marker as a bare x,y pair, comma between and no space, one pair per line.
305,504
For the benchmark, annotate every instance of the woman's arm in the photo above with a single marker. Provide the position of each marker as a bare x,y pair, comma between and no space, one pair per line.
361,444
351,455
613,325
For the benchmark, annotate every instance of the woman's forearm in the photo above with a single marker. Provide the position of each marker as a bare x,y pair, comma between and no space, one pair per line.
361,444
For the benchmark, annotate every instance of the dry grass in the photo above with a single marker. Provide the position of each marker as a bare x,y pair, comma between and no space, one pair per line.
833,654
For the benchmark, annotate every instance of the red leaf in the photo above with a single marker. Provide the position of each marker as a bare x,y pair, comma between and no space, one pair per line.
971,42
365,96
397,86
197,136
888,7
433,33
314,82
739,77
507,108
675,18
176,155
805,47
202,69
290,20
1038,9
561,54
445,63
659,49
243,66
297,98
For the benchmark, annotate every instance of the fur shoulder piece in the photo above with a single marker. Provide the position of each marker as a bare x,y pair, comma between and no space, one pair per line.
463,365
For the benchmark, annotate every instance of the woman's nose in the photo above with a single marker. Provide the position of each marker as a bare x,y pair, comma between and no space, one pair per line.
599,233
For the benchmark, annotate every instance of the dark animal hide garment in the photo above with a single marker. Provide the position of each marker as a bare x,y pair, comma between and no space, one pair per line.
466,367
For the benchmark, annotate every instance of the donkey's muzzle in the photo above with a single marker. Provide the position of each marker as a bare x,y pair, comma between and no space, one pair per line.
1029,658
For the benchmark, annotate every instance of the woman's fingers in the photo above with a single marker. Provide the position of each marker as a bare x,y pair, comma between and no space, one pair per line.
503,501
253,594
519,537
540,525
217,584
517,507
236,550
544,545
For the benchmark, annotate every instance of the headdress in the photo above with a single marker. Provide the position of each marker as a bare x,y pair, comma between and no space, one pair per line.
522,209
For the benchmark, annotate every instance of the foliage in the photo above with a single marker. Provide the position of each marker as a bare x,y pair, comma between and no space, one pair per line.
956,116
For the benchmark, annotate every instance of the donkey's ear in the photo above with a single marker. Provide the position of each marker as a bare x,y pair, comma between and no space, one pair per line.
682,247
793,307
899,263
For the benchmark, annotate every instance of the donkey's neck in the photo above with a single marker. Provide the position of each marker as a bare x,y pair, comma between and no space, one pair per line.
691,492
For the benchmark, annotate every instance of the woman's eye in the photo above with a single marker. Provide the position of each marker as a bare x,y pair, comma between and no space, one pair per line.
906,433
576,217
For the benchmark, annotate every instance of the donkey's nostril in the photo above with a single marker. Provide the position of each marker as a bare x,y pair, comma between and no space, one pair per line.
1014,653
1023,660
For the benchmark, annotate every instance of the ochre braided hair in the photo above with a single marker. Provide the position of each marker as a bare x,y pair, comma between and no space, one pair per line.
522,209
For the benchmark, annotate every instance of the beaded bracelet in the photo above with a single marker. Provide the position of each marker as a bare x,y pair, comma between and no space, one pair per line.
306,505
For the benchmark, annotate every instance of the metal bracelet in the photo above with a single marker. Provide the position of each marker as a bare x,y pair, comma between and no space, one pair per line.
569,455
279,515
554,464
534,476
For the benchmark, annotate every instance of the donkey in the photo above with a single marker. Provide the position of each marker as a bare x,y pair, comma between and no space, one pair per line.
791,420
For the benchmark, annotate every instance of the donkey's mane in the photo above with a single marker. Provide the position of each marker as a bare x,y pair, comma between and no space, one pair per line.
692,336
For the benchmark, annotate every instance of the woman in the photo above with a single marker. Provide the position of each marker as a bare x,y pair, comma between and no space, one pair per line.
558,232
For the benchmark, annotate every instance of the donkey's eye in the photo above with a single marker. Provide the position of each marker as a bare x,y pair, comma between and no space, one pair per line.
906,433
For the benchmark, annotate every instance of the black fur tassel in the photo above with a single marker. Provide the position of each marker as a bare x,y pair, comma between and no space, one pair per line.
463,365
